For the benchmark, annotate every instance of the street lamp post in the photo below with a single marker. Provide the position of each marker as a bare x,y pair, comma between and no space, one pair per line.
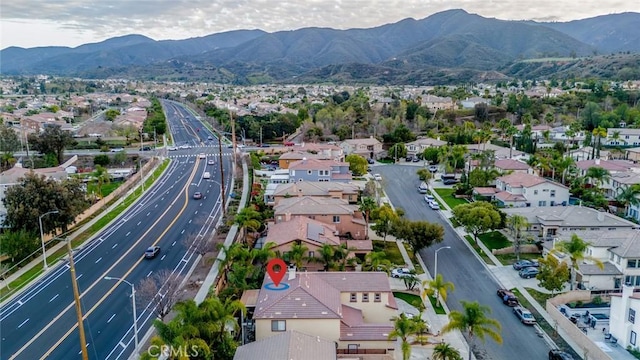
44,252
133,302
435,267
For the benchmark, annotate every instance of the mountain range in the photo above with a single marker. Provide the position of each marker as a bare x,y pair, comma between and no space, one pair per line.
445,47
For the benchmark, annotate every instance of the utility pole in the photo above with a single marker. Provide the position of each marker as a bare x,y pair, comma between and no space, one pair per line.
233,140
224,208
140,162
76,297
260,135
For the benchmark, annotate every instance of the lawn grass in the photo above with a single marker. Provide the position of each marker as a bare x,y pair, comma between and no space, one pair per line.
416,263
106,189
478,249
32,273
390,248
447,196
415,300
540,297
494,240
508,259
438,308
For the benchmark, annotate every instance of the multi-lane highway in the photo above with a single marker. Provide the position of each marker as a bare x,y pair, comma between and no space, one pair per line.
41,322
472,280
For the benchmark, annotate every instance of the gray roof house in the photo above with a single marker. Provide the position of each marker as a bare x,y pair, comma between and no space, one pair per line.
319,170
289,345
418,146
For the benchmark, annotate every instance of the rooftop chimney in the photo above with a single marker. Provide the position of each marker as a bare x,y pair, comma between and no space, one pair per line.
600,216
597,161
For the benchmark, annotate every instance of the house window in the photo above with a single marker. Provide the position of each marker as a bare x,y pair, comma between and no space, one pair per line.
611,256
278,325
633,263
377,297
336,218
542,203
552,193
632,316
353,297
365,297
535,192
312,254
632,338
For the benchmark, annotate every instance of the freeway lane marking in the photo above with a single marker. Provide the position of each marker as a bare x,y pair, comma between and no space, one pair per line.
97,261
173,243
53,298
114,246
78,277
111,318
150,272
127,234
149,213
163,256
24,322
72,304
139,222
182,232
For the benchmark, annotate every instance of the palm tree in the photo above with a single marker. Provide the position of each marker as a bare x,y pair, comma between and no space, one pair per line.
517,223
367,205
297,254
377,261
102,177
327,256
597,175
248,219
628,196
403,328
444,351
575,249
599,133
342,253
474,322
437,288
503,125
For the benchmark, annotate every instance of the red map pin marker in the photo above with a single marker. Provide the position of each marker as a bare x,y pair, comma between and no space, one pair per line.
276,276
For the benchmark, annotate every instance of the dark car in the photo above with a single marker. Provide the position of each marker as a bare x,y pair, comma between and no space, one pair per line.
370,161
521,264
557,354
524,315
507,297
197,195
450,181
528,273
145,148
151,252
409,159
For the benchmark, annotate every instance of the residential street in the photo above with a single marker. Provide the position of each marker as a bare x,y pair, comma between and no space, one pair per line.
473,281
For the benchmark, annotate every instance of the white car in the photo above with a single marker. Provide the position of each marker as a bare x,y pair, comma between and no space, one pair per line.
206,175
211,162
202,156
172,148
401,272
429,198
377,177
434,205
117,149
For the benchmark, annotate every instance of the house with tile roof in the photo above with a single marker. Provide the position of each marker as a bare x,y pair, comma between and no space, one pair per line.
347,218
584,153
311,151
289,345
319,170
618,169
332,189
352,309
498,151
369,148
525,190
513,166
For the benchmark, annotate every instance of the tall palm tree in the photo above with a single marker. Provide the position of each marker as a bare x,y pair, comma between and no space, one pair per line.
437,288
628,196
248,219
517,223
599,133
297,254
367,205
597,175
102,177
444,351
327,256
377,261
575,249
342,253
474,322
503,125
403,328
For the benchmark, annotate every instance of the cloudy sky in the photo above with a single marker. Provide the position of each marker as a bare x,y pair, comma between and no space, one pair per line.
30,23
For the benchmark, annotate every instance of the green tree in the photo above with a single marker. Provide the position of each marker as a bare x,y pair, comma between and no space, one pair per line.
102,160
597,176
367,205
474,322
53,140
628,196
576,250
417,234
343,256
19,244
553,274
424,174
477,217
397,151
248,219
326,256
517,223
384,218
111,114
102,177
377,261
298,254
357,164
431,154
444,351
437,288
402,328
9,141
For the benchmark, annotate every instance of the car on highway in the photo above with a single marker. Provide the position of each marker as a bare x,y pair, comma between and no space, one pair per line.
210,138
557,354
377,177
401,272
117,149
197,195
202,156
211,162
206,175
172,148
508,298
151,252
528,273
521,264
525,316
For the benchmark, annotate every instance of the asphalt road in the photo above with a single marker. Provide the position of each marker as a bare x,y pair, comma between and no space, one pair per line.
41,322
472,280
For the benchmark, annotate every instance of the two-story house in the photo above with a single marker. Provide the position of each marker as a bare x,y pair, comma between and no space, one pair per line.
311,151
622,137
319,170
624,317
498,151
353,309
551,222
331,189
436,103
347,219
587,153
288,344
369,148
420,145
525,190
508,166
616,168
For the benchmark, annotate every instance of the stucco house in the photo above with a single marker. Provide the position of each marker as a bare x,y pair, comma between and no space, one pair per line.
369,148
420,145
290,345
624,321
352,309
525,190
513,166
311,151
319,170
347,219
331,189
498,151
616,169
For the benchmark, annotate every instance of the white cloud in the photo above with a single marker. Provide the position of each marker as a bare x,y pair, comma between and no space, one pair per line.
29,23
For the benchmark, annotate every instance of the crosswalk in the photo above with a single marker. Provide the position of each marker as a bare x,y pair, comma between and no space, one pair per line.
214,155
